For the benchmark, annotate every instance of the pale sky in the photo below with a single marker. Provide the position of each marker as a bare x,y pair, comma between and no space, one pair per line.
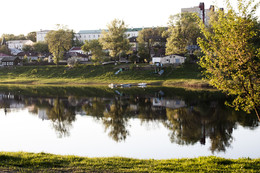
24,16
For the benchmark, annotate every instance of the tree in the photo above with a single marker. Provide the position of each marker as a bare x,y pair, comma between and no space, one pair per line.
4,49
9,37
95,47
183,32
41,47
27,48
59,42
115,40
232,54
148,39
31,36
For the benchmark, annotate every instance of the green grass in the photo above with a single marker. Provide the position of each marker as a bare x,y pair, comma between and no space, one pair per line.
188,74
41,162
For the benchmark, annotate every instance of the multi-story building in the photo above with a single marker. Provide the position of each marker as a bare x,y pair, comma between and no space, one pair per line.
84,35
204,14
40,35
18,44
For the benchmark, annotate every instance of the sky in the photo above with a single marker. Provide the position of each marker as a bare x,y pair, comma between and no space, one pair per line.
24,16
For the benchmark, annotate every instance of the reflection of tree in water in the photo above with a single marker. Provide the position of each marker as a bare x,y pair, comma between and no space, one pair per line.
115,120
95,107
185,129
194,124
203,118
61,117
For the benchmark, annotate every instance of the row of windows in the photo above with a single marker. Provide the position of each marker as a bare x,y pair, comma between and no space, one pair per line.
7,63
89,36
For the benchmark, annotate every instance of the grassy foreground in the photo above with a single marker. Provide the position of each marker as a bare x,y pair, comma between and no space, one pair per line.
186,75
41,162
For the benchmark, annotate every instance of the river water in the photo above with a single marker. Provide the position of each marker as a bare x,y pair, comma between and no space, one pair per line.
145,123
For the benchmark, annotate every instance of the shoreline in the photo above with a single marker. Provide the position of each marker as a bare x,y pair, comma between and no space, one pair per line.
195,84
43,162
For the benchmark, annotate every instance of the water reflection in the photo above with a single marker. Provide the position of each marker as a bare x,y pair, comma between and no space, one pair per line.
190,116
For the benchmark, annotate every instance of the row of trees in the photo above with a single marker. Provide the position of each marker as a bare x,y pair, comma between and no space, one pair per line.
30,36
230,47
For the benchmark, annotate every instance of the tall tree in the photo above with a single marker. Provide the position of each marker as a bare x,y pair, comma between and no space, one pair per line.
31,36
148,40
41,47
9,37
232,54
115,39
183,32
95,47
59,42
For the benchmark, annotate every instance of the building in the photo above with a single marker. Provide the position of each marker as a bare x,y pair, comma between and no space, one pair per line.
170,59
40,35
204,14
10,61
2,55
18,44
84,35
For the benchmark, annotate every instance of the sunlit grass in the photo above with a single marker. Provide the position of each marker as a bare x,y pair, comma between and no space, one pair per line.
41,162
188,74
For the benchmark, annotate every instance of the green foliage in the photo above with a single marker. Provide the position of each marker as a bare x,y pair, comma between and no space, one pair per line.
183,31
115,40
42,162
27,48
95,47
9,37
133,58
4,49
41,47
31,36
59,42
99,74
34,71
232,54
149,38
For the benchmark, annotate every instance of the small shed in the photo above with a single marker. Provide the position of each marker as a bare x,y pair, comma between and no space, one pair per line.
10,61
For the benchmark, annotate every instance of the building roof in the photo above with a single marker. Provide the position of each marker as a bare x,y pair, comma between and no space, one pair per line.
4,55
90,31
9,59
100,31
75,48
133,29
19,41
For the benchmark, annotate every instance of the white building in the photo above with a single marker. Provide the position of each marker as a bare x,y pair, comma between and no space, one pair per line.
83,35
168,103
18,44
170,59
40,35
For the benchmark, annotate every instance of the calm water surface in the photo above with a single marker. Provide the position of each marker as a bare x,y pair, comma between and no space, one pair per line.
158,123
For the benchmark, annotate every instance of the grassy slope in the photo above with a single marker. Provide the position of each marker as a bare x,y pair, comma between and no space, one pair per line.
97,74
41,162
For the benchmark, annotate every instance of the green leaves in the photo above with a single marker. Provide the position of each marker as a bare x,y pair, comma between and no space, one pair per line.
231,58
115,40
183,31
59,42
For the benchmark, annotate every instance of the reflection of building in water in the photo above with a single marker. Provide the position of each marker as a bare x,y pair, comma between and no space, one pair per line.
133,107
173,103
6,96
42,114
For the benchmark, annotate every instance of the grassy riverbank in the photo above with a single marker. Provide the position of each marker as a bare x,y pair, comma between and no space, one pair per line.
186,75
41,162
